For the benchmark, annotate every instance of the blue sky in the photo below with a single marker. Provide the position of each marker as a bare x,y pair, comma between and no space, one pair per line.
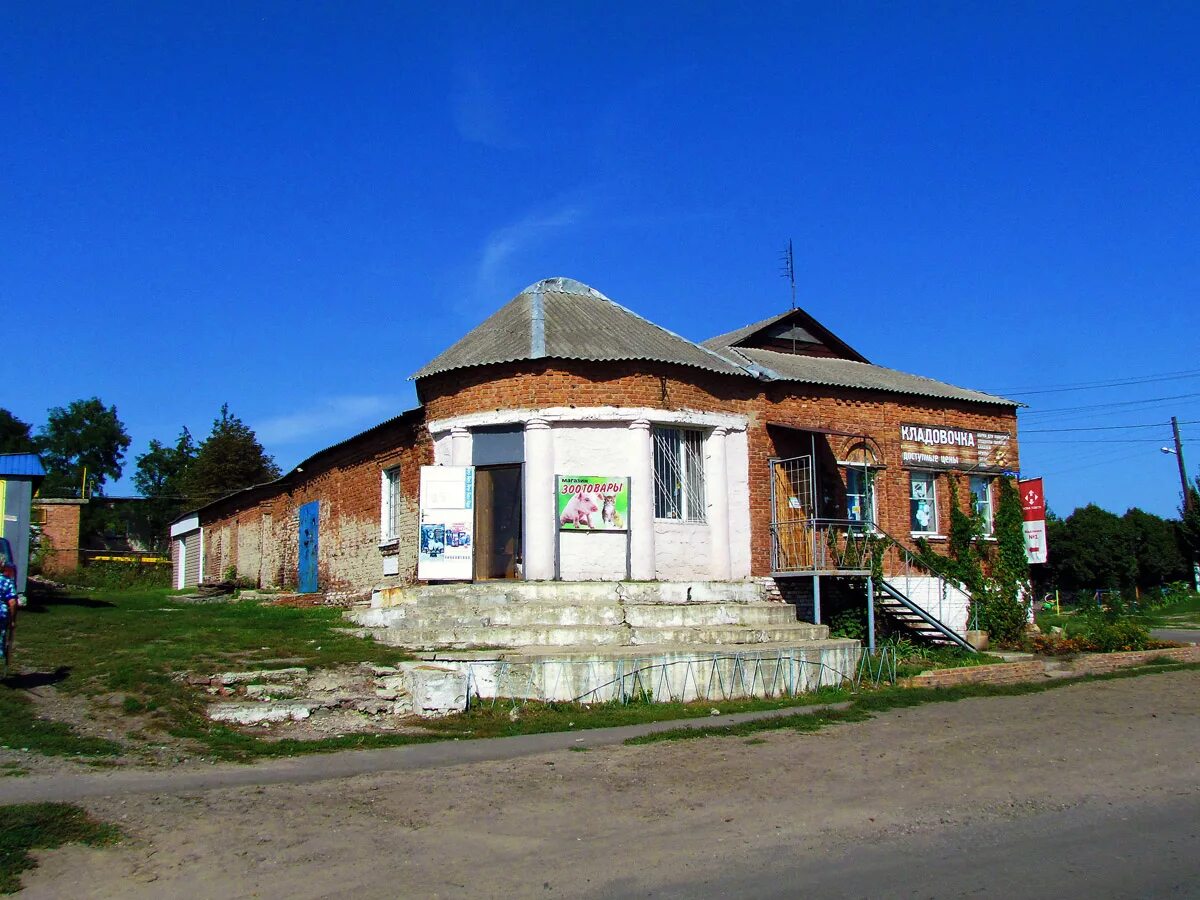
291,207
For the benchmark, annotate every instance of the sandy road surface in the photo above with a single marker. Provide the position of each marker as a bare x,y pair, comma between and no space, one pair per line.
641,821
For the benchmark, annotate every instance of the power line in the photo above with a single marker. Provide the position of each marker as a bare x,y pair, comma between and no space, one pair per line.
1105,427
1096,385
1042,412
1074,441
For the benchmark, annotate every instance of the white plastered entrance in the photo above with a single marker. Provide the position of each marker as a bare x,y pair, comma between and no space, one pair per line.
618,441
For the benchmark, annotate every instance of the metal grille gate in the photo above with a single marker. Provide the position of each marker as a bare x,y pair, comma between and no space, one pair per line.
792,514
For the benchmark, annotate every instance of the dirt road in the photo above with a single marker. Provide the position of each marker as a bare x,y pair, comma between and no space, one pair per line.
703,817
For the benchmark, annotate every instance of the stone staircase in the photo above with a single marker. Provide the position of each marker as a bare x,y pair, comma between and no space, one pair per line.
574,615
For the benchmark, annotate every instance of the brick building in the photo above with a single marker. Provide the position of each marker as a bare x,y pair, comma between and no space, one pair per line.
764,452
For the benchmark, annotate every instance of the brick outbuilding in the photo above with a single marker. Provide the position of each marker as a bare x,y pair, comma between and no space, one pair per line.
755,454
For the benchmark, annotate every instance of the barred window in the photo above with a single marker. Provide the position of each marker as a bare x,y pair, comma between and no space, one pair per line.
679,474
391,504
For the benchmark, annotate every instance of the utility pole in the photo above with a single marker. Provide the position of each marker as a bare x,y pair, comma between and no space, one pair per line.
1187,494
1183,481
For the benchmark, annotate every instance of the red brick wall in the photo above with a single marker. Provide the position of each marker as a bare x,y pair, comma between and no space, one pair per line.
60,526
260,535
661,386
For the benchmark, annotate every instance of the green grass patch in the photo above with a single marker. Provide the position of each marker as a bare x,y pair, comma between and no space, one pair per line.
487,721
22,729
137,643
33,826
864,705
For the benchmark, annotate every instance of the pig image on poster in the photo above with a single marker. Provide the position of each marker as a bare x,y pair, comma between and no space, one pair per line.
579,511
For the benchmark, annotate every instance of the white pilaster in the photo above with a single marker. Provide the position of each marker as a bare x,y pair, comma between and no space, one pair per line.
718,505
541,531
641,503
460,447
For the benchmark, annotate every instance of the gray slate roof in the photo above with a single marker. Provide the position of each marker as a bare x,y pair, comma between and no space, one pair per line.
560,318
851,374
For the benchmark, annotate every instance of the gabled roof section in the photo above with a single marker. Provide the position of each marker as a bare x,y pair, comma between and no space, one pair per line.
794,331
560,318
849,373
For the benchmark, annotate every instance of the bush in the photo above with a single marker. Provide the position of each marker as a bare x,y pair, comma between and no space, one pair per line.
1111,636
850,624
120,576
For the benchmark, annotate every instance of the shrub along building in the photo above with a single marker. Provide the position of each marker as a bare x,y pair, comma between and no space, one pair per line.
569,439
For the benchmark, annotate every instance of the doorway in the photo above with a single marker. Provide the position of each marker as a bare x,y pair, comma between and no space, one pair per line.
498,522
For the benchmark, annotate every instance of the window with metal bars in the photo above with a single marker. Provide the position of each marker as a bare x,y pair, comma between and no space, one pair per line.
391,504
679,474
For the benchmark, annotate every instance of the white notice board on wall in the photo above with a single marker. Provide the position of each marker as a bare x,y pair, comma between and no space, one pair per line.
447,540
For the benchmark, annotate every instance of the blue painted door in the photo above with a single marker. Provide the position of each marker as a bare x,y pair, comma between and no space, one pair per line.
307,576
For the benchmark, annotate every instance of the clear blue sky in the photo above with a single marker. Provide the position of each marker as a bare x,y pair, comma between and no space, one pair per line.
291,207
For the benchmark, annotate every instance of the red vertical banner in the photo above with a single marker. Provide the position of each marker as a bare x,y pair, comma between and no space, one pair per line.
1033,511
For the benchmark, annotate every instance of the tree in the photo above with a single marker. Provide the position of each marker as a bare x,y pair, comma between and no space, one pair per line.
1157,548
231,458
84,435
14,434
161,473
1093,550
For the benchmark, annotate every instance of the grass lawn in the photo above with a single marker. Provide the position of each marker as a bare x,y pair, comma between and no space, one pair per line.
131,646
1183,614
124,650
32,826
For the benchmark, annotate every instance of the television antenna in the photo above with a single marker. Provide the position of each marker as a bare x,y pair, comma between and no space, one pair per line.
788,268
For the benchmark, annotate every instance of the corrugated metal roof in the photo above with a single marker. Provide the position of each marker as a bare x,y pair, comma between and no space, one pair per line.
851,374
21,465
560,318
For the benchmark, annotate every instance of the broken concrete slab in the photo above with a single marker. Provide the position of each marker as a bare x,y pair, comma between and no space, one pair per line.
255,713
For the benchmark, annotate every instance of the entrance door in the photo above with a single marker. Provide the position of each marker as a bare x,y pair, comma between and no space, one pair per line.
792,512
307,575
497,522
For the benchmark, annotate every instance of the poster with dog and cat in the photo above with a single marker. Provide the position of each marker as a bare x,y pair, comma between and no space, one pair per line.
593,502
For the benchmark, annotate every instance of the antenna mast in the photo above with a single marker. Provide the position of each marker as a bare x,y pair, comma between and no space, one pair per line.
788,268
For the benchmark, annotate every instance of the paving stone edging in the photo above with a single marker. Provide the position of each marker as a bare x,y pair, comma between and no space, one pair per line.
1034,670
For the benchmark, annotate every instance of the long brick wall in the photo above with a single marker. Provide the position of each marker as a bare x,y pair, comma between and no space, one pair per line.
257,534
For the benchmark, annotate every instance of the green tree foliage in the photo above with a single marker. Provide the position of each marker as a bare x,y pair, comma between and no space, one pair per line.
1190,525
1093,549
1157,547
85,434
15,435
231,458
161,474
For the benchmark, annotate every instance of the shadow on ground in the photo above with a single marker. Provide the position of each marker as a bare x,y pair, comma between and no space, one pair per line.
25,681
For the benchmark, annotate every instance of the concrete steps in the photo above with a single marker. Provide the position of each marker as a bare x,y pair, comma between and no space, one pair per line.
512,615
464,613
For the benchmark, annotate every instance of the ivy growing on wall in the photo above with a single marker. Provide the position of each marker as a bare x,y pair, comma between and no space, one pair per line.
995,573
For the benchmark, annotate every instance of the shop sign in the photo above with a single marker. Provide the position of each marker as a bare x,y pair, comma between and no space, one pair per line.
446,549
1033,511
592,502
943,447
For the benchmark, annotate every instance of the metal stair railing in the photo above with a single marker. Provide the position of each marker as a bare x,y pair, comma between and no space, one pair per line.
936,624
910,561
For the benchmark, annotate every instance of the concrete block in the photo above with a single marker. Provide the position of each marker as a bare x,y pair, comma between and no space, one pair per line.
437,690
256,713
